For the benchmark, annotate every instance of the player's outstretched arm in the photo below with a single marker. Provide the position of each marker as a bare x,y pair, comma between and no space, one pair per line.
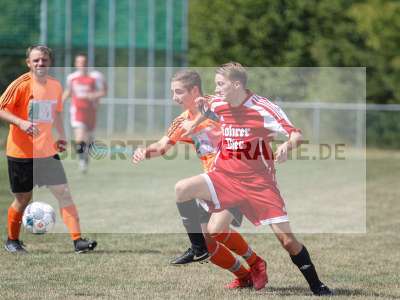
156,149
281,153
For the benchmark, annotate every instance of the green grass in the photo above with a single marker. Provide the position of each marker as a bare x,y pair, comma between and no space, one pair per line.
133,264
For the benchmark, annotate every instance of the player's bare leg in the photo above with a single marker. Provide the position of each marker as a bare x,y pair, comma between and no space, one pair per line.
21,201
219,222
192,188
284,234
62,193
15,212
70,216
300,257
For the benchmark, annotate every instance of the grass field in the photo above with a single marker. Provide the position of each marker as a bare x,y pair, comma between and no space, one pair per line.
132,262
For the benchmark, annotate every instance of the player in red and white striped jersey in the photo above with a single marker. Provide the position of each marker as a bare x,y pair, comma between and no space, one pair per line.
85,88
244,174
247,131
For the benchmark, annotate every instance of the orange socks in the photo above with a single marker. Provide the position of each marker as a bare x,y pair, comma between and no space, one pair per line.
14,223
235,242
222,257
70,217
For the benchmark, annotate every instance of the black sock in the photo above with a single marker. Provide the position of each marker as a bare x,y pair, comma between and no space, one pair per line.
190,219
81,149
306,267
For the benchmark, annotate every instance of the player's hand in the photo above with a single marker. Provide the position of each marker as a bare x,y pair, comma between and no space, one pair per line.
187,127
29,128
138,155
200,101
90,96
61,145
281,153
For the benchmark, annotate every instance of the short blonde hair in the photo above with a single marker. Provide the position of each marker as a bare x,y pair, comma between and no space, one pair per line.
233,71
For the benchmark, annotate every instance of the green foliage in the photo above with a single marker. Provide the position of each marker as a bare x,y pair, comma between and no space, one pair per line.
378,21
19,24
10,66
383,129
302,33
307,33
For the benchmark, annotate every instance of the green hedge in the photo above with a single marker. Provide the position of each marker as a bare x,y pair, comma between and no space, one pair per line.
383,129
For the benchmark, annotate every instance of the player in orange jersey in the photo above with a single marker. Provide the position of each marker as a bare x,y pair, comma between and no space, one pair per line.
186,87
32,106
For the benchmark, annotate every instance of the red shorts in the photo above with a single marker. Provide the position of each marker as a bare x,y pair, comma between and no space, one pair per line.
257,197
83,117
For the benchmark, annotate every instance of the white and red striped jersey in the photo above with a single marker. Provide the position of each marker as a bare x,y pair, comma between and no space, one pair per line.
247,131
81,84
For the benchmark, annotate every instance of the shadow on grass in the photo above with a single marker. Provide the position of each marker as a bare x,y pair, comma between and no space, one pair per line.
303,291
288,291
359,292
130,251
97,252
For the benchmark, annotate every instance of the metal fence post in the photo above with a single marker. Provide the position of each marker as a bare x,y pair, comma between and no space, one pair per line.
150,65
130,126
360,131
316,122
43,22
91,32
111,66
68,46
168,62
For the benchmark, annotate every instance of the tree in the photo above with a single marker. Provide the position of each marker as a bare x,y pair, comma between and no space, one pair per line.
19,27
378,21
306,33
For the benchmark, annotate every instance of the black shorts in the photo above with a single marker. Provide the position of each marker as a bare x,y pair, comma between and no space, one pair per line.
26,173
204,216
237,216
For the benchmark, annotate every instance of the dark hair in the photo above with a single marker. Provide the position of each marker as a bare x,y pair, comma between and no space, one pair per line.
233,71
81,54
41,48
189,78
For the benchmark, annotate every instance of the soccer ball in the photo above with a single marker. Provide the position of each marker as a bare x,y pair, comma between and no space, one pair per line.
39,218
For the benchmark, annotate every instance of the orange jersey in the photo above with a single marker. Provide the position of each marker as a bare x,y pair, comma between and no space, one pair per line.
205,138
37,102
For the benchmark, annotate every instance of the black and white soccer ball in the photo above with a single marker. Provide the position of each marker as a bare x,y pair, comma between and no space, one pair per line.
39,218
